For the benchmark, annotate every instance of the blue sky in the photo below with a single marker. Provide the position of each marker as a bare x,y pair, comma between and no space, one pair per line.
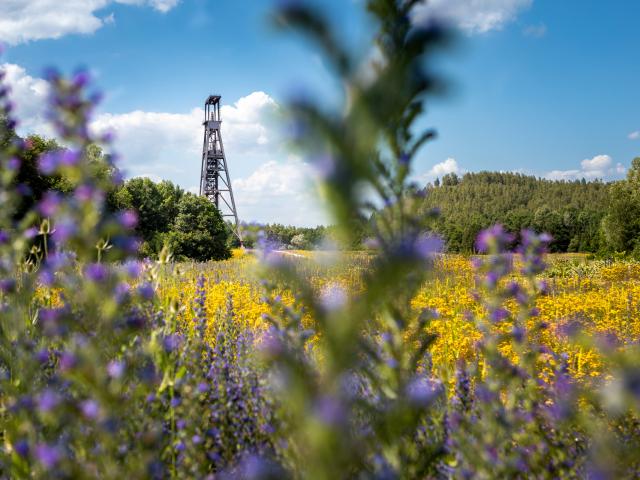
544,87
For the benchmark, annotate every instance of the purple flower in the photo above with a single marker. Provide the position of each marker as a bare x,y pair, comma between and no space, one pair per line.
203,387
42,355
146,291
4,237
48,163
84,193
81,79
90,409
22,448
96,272
115,369
121,291
7,285
49,204
128,219
64,230
427,245
47,455
46,277
133,269
67,361
196,439
422,391
499,314
494,239
171,342
48,400
518,333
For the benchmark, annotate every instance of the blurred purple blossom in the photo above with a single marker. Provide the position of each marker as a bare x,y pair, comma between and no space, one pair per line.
47,455
116,368
96,272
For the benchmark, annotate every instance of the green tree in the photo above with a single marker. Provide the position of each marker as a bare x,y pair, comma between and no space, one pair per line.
621,226
199,231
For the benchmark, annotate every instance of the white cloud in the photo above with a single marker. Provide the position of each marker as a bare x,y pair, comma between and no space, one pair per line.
450,165
280,192
29,95
634,135
600,166
25,20
473,16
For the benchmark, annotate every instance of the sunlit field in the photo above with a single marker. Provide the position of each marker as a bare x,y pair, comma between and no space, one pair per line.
600,300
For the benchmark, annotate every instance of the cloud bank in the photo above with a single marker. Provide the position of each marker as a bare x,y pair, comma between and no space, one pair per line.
27,20
600,166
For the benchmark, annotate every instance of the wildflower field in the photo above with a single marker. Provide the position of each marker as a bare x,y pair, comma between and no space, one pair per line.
598,299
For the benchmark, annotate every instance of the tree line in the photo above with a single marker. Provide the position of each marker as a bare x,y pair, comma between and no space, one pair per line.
582,216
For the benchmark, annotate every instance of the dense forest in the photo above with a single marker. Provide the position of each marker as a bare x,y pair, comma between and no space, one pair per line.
571,211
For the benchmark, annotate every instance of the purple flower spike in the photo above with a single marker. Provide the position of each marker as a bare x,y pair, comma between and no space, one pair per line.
494,239
84,193
128,219
47,455
22,448
499,315
115,369
81,79
96,272
428,245
422,391
49,204
146,291
90,409
64,230
48,163
203,387
48,400
133,269
68,361
171,342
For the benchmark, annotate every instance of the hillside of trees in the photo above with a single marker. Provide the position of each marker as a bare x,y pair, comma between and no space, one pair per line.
578,214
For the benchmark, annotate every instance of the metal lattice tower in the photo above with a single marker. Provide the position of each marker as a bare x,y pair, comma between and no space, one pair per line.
215,182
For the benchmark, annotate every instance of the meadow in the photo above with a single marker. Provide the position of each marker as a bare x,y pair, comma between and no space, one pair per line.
598,298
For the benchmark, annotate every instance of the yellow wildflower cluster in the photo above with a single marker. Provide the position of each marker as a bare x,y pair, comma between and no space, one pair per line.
602,300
